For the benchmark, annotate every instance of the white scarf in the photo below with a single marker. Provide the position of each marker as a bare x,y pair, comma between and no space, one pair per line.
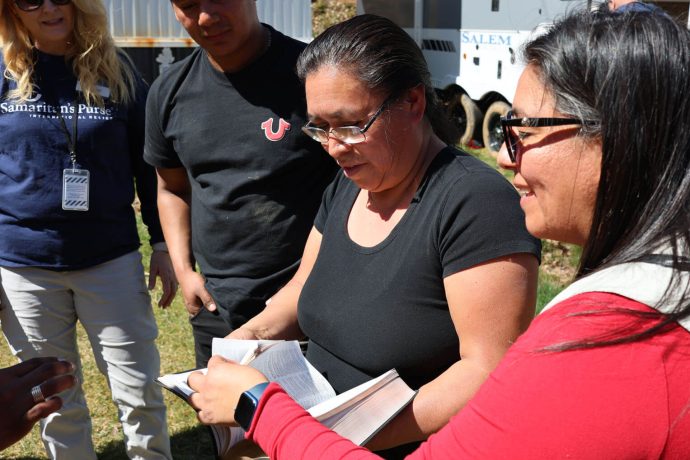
640,281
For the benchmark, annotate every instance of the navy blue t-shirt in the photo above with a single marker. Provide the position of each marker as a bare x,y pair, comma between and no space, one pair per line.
35,230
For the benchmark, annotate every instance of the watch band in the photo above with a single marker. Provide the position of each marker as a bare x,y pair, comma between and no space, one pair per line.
247,404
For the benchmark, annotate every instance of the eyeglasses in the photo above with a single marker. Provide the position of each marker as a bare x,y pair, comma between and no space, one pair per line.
346,134
511,138
32,5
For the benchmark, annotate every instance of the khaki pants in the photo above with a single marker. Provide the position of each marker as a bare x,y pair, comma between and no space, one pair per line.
38,314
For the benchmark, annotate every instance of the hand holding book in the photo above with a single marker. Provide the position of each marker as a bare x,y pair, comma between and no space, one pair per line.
356,414
217,392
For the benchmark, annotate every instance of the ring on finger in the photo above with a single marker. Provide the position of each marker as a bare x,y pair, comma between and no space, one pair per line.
37,394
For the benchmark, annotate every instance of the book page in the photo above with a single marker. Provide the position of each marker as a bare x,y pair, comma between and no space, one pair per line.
282,362
285,364
370,406
350,397
362,421
177,383
235,349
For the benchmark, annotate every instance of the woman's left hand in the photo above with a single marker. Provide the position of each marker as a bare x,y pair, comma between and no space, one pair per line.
161,267
218,391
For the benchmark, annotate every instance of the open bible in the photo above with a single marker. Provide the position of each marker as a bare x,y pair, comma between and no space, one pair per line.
357,414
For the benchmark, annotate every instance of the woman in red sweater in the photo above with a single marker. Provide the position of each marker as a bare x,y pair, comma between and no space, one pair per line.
599,140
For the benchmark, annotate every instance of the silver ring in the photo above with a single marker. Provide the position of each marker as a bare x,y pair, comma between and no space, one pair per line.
37,394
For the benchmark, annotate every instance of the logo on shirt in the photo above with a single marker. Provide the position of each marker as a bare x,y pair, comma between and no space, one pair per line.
37,107
275,136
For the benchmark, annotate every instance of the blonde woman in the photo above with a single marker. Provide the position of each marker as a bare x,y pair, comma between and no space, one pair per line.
71,141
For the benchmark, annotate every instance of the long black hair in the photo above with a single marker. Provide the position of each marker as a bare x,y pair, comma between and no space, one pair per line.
380,55
631,73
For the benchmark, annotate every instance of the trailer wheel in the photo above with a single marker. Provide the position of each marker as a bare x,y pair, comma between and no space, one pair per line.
466,116
491,129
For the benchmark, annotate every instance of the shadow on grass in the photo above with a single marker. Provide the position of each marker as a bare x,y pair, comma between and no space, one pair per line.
191,444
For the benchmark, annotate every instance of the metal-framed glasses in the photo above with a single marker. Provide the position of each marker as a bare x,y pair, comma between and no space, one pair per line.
512,138
346,134
32,5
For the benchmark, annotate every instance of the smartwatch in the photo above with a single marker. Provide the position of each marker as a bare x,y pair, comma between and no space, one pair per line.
247,404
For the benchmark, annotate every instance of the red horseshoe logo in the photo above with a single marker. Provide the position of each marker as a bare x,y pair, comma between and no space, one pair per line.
275,136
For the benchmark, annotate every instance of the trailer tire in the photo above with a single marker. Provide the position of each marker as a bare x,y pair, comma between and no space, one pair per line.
466,117
491,128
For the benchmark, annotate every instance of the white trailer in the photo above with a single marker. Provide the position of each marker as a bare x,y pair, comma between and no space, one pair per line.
150,34
472,49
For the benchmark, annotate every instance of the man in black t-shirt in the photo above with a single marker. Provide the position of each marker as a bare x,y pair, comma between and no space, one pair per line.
239,184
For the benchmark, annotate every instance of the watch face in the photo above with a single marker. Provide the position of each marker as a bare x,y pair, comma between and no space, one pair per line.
244,413
246,406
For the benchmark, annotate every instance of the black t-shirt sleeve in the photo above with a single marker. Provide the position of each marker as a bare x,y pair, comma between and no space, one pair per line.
159,150
471,232
327,201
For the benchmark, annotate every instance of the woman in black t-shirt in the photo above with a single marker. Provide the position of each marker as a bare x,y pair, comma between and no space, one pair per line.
419,259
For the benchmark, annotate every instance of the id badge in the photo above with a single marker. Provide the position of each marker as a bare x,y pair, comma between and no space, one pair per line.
75,190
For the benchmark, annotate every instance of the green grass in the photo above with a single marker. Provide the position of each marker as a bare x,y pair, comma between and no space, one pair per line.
559,262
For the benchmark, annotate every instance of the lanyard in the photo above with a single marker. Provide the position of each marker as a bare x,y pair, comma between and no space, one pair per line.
71,140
